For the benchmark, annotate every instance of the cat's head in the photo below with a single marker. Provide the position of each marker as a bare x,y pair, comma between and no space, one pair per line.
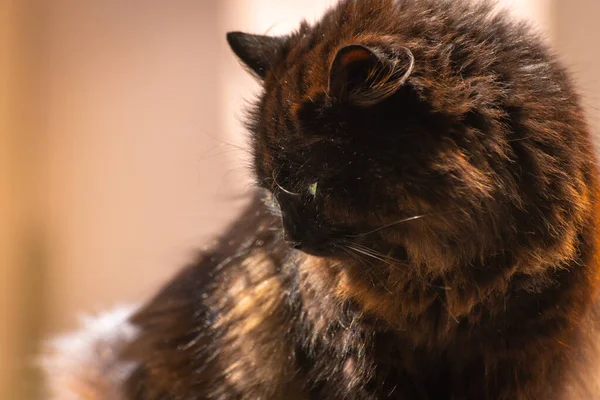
384,145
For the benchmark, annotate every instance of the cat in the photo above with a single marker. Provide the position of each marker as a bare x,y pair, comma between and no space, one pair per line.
424,225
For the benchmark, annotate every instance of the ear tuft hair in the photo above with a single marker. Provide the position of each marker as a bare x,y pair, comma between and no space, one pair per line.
365,76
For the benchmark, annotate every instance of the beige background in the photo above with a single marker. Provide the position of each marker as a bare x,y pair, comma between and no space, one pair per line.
119,144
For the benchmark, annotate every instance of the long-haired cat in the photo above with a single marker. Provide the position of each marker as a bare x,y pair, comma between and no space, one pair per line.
424,228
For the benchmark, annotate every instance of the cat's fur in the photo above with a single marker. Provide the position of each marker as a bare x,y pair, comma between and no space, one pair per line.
435,228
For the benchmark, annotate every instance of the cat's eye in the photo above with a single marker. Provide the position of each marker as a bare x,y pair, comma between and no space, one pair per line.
312,189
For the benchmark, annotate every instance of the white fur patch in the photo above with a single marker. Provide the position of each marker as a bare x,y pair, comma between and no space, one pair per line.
85,364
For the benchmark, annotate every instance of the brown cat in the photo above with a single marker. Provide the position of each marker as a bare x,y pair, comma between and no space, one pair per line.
426,227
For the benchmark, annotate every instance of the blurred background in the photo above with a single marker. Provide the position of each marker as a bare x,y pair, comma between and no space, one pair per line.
121,148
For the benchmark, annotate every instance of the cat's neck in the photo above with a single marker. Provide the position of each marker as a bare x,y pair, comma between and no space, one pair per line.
433,311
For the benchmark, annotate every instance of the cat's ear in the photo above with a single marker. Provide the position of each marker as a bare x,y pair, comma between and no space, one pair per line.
255,51
365,76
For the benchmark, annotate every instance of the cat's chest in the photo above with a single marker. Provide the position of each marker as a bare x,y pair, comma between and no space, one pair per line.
367,365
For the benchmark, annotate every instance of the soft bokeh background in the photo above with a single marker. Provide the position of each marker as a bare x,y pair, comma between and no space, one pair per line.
119,145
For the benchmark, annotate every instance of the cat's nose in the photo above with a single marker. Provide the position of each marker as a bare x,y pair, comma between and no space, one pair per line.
291,230
301,232
307,240
297,236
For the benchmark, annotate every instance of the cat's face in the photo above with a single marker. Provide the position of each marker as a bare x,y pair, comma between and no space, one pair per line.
352,154
327,160
382,148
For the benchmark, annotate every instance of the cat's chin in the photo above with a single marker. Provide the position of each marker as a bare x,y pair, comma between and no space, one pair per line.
352,252
321,251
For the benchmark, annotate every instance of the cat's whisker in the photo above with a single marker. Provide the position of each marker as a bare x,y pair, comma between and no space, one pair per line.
211,154
355,254
416,217
368,270
361,260
223,141
391,262
380,256
281,187
401,221
365,252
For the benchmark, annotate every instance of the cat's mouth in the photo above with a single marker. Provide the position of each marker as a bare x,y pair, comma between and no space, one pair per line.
367,253
309,235
313,244
319,249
